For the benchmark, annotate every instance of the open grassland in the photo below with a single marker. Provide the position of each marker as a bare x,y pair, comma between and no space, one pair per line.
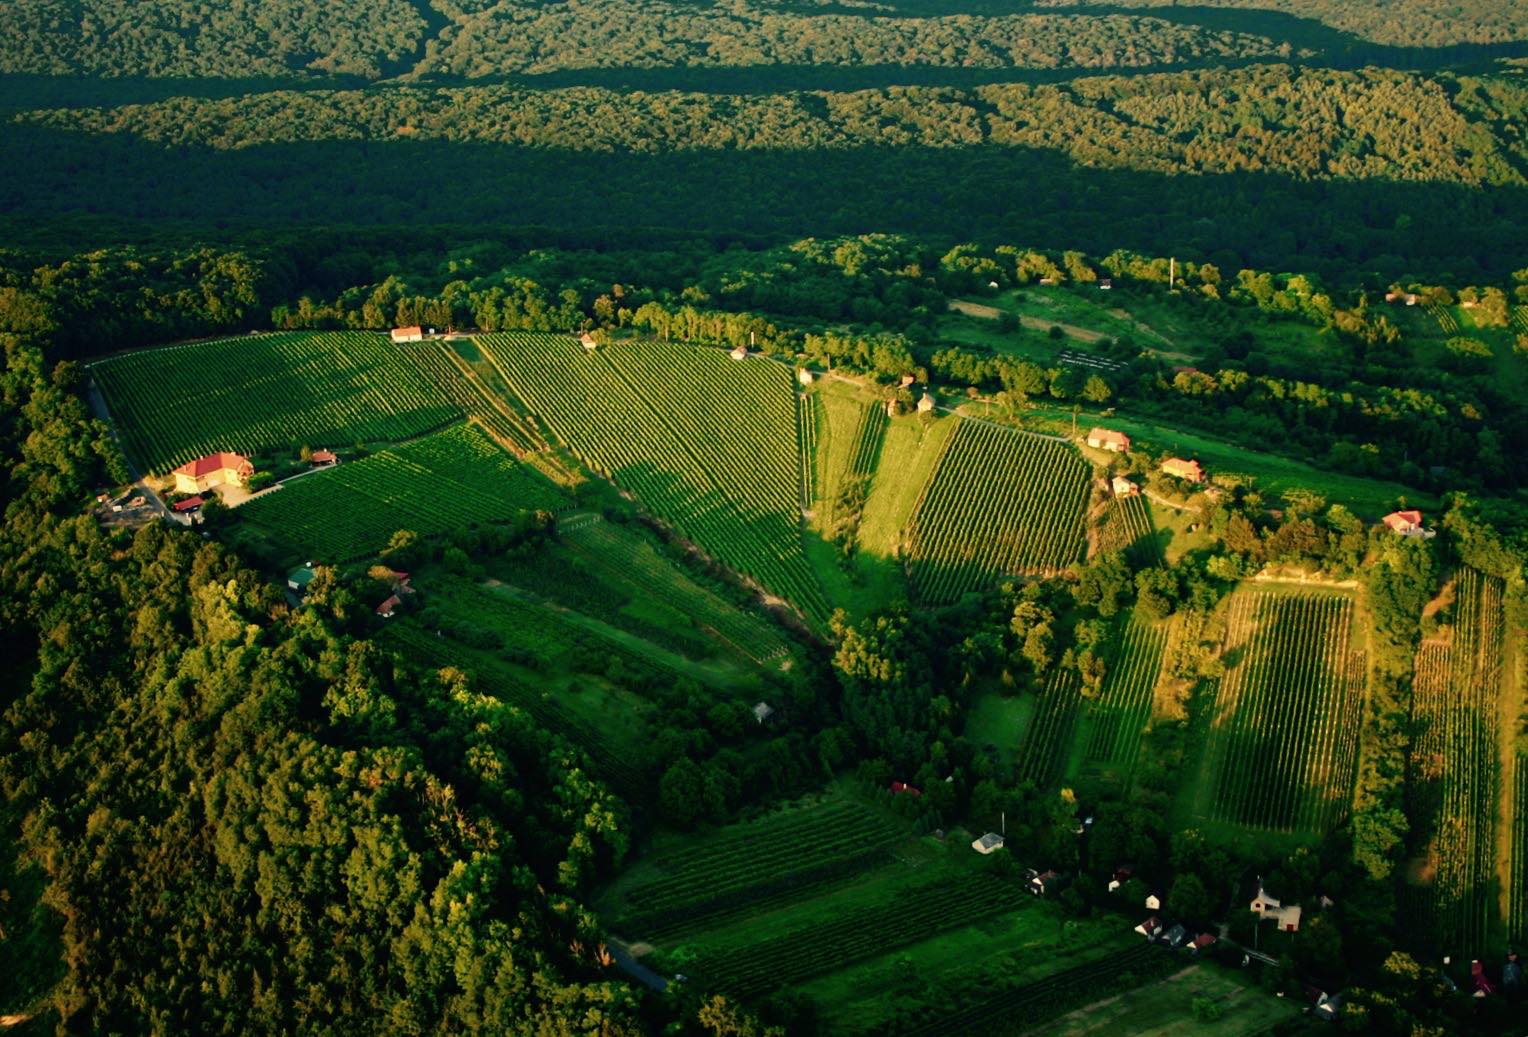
1454,791
266,392
445,481
1000,503
625,559
708,444
1281,750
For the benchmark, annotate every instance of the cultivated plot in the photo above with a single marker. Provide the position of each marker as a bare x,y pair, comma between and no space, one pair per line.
266,392
1281,751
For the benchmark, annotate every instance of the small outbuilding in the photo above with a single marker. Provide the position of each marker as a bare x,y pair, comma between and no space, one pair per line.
1202,942
385,610
902,788
1150,928
299,578
1153,901
1105,284
906,381
804,376
1045,883
987,843
1123,487
1122,875
739,353
412,333
1108,439
1286,916
188,505
762,711
1187,470
926,404
587,341
323,458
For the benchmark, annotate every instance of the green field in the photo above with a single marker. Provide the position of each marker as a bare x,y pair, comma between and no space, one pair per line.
708,444
1000,503
1454,787
259,393
1281,749
836,901
1163,1007
443,482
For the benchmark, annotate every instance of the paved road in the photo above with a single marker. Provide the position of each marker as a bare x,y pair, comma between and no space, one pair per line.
635,968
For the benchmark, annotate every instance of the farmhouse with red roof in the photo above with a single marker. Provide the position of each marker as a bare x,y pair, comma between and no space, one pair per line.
1188,471
213,470
1108,439
1406,524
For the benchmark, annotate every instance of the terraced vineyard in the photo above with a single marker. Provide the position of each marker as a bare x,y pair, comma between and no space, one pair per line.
625,558
1282,747
1043,755
1000,502
1115,720
708,444
1454,785
445,481
745,868
266,392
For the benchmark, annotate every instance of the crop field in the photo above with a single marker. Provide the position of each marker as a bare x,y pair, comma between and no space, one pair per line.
1043,755
1281,753
625,558
709,444
1454,786
1126,527
1000,502
1520,318
806,423
442,482
266,392
1112,723
748,868
1517,893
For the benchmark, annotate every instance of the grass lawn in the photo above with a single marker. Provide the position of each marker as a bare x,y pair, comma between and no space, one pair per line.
1000,720
908,457
1165,1007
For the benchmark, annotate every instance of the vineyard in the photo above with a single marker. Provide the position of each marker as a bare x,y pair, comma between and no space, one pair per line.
445,481
806,424
1043,756
749,868
454,378
1282,748
1126,527
1520,319
1000,502
1445,318
626,559
266,392
898,915
1114,721
1454,785
1517,893
708,444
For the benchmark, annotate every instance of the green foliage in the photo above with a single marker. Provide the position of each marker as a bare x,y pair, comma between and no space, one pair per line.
442,483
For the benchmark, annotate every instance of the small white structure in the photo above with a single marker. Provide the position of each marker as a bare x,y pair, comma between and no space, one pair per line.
1287,916
987,843
739,353
1123,487
926,404
804,376
1153,901
587,341
413,333
762,711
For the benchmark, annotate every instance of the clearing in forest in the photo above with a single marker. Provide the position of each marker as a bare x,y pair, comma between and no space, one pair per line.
709,444
259,393
442,482
1281,752
1001,502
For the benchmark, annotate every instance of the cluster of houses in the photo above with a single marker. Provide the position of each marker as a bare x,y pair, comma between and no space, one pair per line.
1116,442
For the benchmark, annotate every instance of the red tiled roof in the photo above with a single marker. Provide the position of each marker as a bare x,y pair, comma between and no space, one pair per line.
1403,519
323,456
189,503
215,462
386,608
